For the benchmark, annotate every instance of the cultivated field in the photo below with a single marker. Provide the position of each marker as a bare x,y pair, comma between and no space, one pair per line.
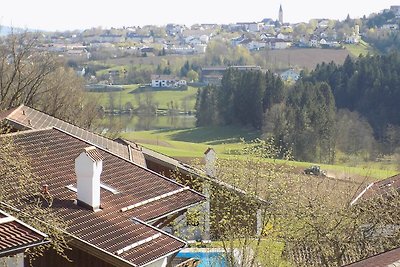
305,58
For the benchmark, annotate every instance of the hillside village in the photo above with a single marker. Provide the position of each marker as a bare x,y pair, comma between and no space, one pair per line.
97,44
74,194
182,39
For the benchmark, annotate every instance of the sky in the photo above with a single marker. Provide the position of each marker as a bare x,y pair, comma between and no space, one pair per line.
55,15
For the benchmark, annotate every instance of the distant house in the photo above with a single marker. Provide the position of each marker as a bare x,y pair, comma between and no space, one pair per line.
212,75
255,45
200,48
290,75
395,10
166,81
240,40
266,36
276,43
174,29
314,42
138,38
353,39
111,38
250,26
181,50
390,26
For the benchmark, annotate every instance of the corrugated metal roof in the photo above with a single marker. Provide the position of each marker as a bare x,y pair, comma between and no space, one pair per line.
387,259
30,118
53,152
377,188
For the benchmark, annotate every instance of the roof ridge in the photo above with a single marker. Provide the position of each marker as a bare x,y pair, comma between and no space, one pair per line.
123,158
15,110
26,131
79,127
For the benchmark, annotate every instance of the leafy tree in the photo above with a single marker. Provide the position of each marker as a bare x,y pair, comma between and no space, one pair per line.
36,78
22,195
246,197
193,75
206,111
327,230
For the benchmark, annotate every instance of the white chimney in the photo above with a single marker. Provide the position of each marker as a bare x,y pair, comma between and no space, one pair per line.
210,156
88,167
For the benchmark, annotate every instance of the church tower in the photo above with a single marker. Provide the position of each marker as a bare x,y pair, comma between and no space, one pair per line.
280,15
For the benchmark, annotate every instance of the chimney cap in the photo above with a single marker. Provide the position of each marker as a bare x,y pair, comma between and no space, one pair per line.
209,150
93,153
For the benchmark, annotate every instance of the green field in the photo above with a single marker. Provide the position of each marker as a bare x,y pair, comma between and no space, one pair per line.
184,99
191,143
361,48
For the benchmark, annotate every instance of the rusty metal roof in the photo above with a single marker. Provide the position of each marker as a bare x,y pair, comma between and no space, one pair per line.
52,153
379,188
390,258
24,117
16,236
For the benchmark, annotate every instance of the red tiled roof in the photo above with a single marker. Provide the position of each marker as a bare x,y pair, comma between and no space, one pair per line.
5,113
379,188
387,259
15,236
29,118
53,152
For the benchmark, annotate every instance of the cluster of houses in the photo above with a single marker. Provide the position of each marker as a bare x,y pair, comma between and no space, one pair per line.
181,39
184,40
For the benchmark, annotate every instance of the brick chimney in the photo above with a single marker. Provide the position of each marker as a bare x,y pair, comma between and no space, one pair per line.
88,167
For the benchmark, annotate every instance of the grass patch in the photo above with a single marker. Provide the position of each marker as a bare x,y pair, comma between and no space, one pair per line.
362,48
183,99
191,143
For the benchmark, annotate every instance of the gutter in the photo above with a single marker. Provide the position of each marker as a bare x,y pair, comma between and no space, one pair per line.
361,194
14,251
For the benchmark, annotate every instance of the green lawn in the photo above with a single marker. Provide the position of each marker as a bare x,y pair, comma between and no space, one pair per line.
191,143
184,99
361,48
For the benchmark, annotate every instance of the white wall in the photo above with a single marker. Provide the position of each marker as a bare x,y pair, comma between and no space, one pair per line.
15,261
160,263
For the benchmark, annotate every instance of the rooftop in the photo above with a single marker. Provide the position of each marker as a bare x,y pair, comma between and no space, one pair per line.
16,236
24,117
132,197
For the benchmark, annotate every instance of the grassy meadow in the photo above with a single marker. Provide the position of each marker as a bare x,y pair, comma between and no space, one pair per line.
184,99
361,48
189,144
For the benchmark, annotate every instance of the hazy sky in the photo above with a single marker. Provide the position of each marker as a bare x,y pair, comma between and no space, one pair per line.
82,14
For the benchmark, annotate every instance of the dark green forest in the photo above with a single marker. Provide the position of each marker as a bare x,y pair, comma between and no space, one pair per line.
352,108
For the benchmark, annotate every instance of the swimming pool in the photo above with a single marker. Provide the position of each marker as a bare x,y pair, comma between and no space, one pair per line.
207,258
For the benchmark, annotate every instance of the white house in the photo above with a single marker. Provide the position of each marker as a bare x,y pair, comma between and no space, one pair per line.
111,38
204,39
353,39
255,45
290,75
200,48
278,44
167,81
